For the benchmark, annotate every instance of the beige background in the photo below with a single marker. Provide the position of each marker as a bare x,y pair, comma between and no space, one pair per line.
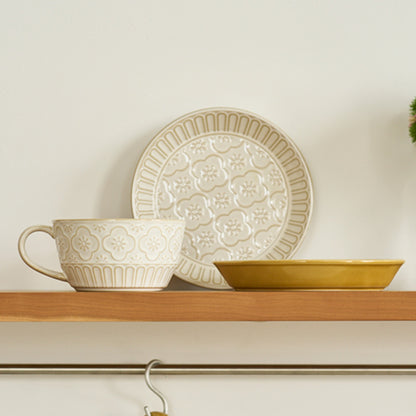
84,87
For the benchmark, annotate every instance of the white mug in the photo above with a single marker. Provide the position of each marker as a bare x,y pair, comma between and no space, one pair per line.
112,254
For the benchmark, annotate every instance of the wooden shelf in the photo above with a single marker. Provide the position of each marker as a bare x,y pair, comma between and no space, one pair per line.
207,306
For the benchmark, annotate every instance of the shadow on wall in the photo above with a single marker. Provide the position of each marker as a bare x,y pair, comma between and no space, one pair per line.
115,201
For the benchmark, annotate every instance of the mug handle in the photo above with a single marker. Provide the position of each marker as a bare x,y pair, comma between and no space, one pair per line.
23,254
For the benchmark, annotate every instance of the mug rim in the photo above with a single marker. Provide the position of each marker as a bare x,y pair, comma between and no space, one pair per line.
180,221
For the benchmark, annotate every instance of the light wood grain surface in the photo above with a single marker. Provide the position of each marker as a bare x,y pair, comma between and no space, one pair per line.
208,306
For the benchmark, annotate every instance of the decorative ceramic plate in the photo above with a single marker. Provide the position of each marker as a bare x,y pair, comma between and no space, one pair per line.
240,183
309,274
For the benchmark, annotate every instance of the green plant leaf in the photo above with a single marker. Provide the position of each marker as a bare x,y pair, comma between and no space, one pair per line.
412,132
413,107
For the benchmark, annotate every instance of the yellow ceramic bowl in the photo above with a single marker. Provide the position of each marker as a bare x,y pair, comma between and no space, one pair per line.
309,274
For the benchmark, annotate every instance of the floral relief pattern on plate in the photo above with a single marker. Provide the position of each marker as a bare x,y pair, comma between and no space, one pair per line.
239,182
214,194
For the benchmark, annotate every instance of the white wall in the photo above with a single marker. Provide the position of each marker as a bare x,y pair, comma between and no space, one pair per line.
84,87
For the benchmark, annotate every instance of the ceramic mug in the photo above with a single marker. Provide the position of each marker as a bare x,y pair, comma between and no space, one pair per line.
112,254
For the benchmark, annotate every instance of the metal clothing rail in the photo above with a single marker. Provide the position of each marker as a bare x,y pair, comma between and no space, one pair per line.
205,369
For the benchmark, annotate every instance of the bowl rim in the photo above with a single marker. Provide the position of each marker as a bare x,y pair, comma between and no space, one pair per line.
310,262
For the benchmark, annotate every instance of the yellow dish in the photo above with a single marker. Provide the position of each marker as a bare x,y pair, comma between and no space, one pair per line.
309,274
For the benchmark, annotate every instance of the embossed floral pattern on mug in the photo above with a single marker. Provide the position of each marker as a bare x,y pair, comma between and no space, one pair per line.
119,243
84,243
153,243
62,243
107,242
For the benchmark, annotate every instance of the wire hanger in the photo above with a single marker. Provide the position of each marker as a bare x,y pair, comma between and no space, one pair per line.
149,384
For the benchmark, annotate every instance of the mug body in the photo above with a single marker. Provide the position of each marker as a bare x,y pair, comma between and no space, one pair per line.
119,254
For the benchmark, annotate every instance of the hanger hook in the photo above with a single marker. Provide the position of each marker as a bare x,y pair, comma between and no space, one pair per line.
149,384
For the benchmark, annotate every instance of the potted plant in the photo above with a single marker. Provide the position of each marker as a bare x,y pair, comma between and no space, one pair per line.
412,121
